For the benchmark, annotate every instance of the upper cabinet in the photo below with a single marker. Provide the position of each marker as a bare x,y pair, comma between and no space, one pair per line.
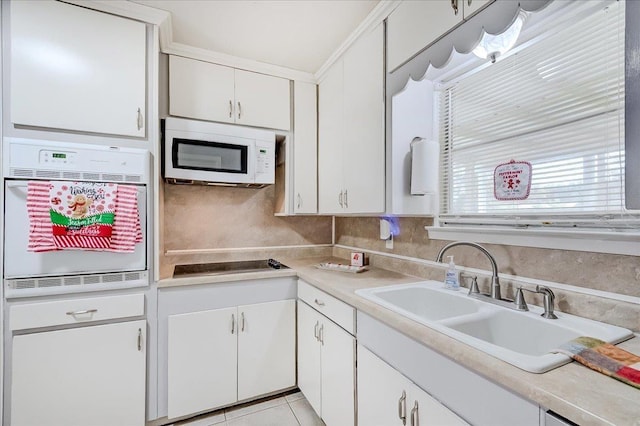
213,92
77,69
305,148
414,25
351,147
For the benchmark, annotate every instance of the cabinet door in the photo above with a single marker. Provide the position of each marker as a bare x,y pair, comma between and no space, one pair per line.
414,25
200,90
77,69
305,148
91,375
309,355
382,392
262,100
364,147
429,411
472,6
331,139
202,361
266,348
338,374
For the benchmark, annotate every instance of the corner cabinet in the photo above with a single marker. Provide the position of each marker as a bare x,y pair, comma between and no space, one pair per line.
76,69
326,355
351,146
254,351
386,397
305,148
212,92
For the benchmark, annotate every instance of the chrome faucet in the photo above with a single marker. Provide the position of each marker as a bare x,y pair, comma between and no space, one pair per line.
548,301
495,281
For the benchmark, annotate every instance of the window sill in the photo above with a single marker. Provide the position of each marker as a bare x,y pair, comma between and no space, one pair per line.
627,243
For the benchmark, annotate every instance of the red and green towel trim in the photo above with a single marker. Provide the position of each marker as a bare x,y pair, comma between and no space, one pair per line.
605,358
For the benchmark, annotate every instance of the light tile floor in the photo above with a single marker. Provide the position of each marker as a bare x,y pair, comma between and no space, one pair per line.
290,409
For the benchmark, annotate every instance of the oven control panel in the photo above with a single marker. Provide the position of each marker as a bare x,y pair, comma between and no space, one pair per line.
57,157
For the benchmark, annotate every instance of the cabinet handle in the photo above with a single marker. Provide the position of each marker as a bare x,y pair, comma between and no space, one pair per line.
316,334
242,318
319,302
233,324
340,199
454,5
346,199
299,200
321,334
415,416
86,311
239,109
139,340
230,109
469,2
140,122
402,408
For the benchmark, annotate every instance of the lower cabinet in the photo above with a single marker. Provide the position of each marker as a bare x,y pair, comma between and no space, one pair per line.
217,357
83,376
326,366
387,398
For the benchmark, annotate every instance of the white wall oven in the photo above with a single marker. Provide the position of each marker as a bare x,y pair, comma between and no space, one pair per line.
75,217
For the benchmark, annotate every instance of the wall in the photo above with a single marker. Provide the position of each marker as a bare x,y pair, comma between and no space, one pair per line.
209,223
595,285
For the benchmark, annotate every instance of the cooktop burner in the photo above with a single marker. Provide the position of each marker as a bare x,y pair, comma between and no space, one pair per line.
228,267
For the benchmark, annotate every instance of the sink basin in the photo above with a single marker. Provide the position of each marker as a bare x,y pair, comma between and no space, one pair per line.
423,301
523,339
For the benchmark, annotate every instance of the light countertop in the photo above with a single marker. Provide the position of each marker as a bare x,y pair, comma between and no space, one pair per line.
574,391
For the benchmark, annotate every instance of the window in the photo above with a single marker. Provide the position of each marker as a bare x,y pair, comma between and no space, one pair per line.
557,102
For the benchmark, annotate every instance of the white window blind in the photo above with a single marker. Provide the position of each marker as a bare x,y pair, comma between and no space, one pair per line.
557,103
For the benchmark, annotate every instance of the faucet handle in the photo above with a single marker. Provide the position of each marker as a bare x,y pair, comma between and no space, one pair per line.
521,304
549,300
473,288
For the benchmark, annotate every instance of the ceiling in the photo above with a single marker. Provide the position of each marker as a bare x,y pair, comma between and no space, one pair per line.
297,34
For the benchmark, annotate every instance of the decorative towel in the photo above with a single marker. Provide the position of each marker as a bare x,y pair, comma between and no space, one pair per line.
125,230
605,358
82,214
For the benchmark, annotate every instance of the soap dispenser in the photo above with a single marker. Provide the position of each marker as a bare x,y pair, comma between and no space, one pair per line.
452,276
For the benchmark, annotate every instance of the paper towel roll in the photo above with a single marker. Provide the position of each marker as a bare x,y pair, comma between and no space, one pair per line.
424,166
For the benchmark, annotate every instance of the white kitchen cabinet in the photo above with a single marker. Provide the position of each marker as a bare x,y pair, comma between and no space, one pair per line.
77,69
222,356
470,7
386,397
82,376
326,362
351,130
305,148
266,348
207,91
414,25
202,361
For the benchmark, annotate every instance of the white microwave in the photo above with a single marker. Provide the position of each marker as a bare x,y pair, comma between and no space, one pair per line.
214,153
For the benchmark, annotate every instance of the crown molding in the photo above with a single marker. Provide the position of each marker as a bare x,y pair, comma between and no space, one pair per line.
125,8
375,17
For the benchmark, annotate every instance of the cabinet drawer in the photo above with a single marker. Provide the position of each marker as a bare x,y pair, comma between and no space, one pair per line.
334,309
75,311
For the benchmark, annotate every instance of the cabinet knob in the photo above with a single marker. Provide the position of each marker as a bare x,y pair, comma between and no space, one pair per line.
139,340
140,120
402,408
415,416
